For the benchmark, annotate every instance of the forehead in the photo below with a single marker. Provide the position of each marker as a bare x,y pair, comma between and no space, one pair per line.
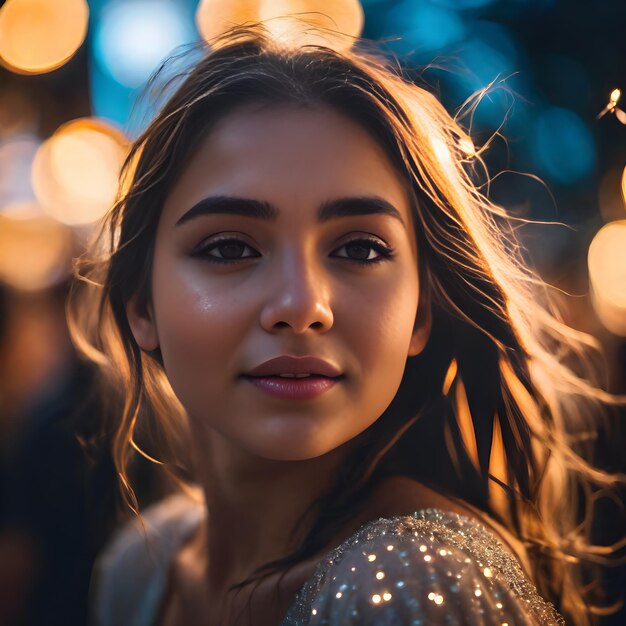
293,157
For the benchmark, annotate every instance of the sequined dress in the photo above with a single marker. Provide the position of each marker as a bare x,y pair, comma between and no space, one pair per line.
429,567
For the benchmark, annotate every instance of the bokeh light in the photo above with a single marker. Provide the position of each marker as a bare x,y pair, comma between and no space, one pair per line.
34,253
38,36
607,275
75,172
467,54
214,17
607,263
424,27
563,145
463,5
301,22
133,37
488,54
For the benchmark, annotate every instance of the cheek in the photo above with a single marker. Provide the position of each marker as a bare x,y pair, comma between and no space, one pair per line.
200,327
382,318
378,325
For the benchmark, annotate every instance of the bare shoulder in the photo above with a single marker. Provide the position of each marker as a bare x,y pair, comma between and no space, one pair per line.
401,495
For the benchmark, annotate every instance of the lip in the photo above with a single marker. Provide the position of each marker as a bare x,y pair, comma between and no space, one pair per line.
286,364
293,388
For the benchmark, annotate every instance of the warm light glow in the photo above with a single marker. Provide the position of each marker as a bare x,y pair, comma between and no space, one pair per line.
615,96
34,253
466,424
214,17
75,172
38,36
607,263
21,210
467,147
300,22
613,318
442,151
607,275
624,186
450,376
498,469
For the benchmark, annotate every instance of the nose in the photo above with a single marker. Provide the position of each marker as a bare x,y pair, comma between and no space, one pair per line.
299,295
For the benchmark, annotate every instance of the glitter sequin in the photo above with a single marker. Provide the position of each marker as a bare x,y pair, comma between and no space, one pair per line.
381,571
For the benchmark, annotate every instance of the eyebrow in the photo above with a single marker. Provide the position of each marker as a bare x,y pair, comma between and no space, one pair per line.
259,209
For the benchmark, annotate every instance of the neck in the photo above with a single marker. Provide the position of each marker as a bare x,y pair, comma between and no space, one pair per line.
253,505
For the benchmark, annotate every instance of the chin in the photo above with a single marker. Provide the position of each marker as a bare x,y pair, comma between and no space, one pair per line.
296,445
295,451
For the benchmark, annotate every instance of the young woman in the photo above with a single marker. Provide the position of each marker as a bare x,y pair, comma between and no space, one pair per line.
324,329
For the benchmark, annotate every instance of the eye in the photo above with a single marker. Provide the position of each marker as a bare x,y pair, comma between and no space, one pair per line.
230,250
362,248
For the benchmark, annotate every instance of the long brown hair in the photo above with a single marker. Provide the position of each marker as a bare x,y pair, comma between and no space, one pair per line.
487,413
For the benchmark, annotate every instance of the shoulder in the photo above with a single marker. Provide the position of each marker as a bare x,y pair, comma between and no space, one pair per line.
397,495
130,574
428,567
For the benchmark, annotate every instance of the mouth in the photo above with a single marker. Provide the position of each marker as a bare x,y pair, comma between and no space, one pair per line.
293,376
294,387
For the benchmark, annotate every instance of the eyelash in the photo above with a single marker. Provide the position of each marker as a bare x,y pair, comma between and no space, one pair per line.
385,252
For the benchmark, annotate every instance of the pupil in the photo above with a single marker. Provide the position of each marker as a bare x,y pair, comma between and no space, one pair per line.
362,251
231,250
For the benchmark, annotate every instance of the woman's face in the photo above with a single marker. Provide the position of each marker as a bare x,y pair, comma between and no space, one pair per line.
288,233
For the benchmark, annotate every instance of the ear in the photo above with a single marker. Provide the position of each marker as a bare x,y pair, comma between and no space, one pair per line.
421,330
141,321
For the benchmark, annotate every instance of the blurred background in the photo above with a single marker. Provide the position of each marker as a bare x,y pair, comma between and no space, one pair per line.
71,72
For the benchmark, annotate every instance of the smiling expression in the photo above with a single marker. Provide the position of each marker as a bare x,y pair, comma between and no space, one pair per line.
288,232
